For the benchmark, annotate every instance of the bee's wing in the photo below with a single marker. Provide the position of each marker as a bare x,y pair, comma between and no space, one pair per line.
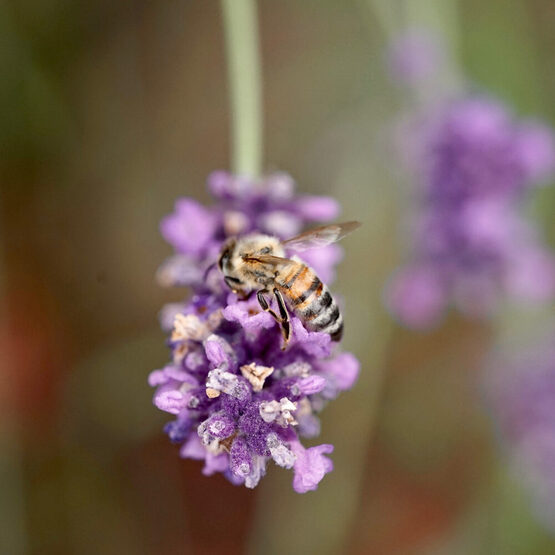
320,236
270,259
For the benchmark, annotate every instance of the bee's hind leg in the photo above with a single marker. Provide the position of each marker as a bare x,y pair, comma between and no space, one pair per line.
265,306
284,314
282,319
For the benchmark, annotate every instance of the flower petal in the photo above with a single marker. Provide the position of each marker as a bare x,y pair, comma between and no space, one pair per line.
310,466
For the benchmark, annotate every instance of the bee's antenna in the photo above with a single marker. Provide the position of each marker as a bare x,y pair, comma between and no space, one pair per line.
208,270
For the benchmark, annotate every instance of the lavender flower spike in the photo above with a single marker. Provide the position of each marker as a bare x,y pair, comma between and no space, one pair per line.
521,391
471,246
239,400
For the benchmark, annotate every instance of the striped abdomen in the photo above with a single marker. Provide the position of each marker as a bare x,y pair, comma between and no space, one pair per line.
311,300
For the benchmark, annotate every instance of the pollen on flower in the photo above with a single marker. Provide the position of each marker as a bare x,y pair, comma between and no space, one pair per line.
212,393
256,374
179,352
238,400
188,327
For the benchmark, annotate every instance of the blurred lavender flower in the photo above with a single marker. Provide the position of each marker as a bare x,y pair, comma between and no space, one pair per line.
415,56
522,394
471,244
239,400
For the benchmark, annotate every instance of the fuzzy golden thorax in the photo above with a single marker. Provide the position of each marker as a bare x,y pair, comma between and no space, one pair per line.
242,272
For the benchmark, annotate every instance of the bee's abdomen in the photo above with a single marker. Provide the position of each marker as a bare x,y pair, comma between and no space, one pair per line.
321,313
313,303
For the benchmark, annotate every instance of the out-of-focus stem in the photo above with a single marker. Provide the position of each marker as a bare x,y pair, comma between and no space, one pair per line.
386,13
245,85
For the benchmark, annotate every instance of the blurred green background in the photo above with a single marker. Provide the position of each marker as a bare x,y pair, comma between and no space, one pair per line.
111,110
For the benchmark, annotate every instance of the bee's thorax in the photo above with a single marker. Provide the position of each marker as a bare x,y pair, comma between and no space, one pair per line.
239,266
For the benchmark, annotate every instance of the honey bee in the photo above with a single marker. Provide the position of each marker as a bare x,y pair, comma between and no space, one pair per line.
257,262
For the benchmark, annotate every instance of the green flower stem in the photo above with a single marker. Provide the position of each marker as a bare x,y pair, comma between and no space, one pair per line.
245,85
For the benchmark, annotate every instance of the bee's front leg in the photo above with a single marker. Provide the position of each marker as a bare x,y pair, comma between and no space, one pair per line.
242,295
235,285
282,319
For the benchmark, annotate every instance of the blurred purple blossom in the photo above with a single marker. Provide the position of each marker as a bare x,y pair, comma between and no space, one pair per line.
239,400
415,56
471,245
521,391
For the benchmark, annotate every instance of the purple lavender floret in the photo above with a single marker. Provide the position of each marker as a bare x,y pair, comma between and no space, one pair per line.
472,246
239,400
522,395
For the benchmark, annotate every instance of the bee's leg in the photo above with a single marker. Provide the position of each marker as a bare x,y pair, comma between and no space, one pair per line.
284,314
282,320
265,306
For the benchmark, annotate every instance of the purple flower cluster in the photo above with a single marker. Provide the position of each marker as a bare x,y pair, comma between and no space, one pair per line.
239,400
472,245
522,394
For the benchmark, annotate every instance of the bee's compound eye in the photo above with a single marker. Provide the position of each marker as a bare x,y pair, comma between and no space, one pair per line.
226,253
223,259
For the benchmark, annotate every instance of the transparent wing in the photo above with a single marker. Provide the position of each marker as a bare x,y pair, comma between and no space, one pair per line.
320,236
